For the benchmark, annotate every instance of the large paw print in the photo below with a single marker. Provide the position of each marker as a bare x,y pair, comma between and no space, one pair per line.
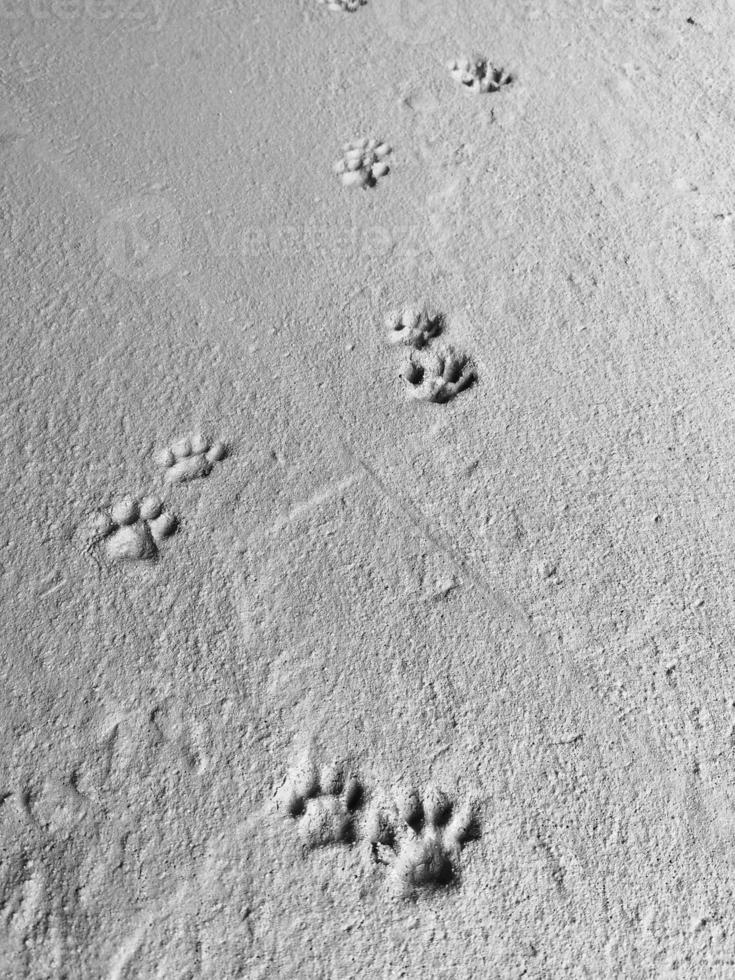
190,458
324,803
348,6
478,74
439,376
134,530
413,327
363,163
421,839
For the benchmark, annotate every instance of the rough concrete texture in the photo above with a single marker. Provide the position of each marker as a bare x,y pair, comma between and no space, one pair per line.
367,540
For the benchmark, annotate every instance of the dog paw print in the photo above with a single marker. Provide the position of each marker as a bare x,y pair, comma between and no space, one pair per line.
421,839
133,530
325,804
439,376
363,163
190,458
478,75
413,327
348,6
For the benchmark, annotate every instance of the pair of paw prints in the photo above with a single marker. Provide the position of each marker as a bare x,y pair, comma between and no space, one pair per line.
363,162
134,529
478,75
348,6
419,838
435,374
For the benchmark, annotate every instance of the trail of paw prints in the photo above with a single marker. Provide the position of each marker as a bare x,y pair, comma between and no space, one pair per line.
324,804
433,373
190,458
420,839
363,162
478,75
132,529
346,6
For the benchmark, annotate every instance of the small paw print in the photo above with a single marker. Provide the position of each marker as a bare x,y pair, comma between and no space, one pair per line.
190,458
133,530
439,376
478,74
413,327
325,803
420,839
363,163
348,6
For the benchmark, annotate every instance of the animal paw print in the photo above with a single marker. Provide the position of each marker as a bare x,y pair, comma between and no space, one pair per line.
134,530
324,803
421,839
414,327
349,6
439,376
478,74
190,458
363,163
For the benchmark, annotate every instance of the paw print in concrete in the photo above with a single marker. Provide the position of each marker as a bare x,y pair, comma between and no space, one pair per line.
134,530
421,839
190,458
346,6
439,375
324,803
413,327
363,162
478,75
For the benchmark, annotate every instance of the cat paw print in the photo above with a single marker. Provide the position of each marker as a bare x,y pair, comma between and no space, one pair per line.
324,803
133,530
363,162
478,75
439,376
420,839
413,327
348,6
190,458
